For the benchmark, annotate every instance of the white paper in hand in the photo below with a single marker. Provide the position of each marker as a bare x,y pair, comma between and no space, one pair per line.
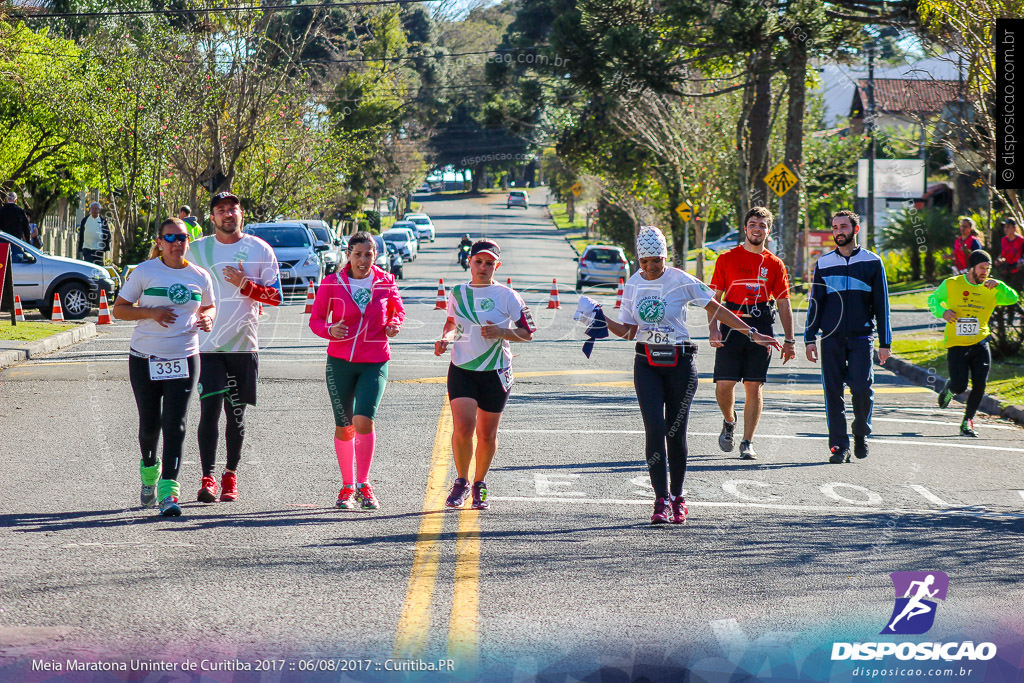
585,310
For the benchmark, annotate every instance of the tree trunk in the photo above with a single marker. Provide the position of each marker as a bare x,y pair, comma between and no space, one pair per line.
758,130
797,87
570,206
915,263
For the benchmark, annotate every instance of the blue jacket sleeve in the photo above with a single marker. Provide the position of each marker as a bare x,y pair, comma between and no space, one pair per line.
815,301
881,306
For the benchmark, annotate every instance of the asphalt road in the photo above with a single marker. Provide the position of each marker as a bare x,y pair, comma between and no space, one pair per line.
562,579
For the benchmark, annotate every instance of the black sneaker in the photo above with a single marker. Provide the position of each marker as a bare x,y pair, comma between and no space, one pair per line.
945,396
839,455
967,428
747,451
480,496
860,447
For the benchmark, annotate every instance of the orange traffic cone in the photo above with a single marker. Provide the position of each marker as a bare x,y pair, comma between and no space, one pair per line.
442,298
553,301
618,297
508,282
310,295
19,312
58,312
104,318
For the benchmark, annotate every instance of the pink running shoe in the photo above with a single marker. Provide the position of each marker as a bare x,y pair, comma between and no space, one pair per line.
346,498
228,487
660,515
679,510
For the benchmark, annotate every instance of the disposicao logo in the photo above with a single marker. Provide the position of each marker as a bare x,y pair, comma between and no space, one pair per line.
916,594
913,613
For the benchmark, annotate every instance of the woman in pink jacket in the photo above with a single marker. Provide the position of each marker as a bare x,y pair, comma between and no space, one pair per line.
357,309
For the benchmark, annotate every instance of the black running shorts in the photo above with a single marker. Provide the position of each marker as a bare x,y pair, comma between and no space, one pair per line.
741,359
483,386
231,373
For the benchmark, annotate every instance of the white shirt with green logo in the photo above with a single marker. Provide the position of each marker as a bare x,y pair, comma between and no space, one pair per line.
361,291
184,290
472,307
234,329
658,307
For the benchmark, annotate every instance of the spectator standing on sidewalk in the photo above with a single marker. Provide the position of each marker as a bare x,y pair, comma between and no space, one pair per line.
93,236
14,220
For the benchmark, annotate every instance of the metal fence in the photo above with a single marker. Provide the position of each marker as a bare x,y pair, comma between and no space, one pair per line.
59,235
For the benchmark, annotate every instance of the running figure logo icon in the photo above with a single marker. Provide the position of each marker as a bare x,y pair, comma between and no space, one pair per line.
179,294
916,595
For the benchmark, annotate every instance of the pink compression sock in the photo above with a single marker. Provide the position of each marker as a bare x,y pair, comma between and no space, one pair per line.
364,455
346,459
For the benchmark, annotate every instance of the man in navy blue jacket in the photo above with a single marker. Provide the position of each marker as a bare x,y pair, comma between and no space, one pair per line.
848,306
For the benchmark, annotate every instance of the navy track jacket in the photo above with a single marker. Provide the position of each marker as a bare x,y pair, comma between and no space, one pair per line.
849,298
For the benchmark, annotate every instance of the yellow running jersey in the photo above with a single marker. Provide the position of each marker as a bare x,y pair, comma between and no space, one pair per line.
973,305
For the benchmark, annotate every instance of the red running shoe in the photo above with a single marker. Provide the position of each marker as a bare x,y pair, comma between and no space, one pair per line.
228,486
660,515
347,498
207,490
679,510
367,499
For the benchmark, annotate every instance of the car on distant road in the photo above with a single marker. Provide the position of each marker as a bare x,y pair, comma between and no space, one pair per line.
388,258
424,226
517,198
38,276
297,250
334,256
403,235
601,264
725,242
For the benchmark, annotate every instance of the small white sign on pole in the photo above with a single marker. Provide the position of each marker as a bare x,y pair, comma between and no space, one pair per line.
895,178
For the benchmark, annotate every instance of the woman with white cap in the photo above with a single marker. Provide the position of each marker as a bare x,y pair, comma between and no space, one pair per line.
664,370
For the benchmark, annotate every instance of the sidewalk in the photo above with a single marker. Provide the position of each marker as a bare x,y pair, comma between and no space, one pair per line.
13,352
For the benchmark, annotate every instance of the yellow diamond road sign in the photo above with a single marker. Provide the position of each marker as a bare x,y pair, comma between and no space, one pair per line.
780,179
684,211
577,189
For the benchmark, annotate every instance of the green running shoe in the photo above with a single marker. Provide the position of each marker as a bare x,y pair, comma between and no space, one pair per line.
945,396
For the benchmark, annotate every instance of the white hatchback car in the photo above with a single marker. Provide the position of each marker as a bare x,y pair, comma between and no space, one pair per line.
424,226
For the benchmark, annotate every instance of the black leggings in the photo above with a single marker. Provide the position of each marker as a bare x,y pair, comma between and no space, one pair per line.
664,395
210,409
162,406
976,360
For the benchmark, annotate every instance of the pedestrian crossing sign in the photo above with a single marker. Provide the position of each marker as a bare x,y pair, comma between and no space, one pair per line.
685,211
577,189
781,179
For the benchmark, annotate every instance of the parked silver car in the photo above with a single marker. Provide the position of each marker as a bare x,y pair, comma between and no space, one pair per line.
334,256
297,250
601,264
424,226
37,276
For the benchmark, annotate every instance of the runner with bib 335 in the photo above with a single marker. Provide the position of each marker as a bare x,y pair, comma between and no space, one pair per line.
966,303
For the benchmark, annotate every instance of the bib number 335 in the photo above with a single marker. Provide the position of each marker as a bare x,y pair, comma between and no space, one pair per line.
160,369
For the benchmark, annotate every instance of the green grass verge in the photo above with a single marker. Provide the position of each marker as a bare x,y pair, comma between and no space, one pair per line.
561,218
29,331
1005,379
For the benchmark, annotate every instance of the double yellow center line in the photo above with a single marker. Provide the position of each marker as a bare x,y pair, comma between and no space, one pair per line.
412,638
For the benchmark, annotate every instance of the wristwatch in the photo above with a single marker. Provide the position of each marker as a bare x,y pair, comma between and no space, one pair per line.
789,341
750,333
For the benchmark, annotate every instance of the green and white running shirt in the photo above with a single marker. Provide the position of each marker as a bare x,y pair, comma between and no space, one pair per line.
472,307
154,284
234,328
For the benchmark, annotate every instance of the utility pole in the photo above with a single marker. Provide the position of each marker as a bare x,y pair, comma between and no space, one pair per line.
870,120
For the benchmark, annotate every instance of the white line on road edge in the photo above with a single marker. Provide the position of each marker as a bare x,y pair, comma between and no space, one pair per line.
965,512
899,442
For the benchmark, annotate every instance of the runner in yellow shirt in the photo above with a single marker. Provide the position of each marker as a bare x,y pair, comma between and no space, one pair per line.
966,303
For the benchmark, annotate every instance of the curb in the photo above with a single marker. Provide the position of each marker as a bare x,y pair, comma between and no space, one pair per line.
49,344
926,378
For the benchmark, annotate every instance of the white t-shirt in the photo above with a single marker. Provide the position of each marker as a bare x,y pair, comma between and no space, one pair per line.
361,291
92,234
658,307
234,329
472,307
184,290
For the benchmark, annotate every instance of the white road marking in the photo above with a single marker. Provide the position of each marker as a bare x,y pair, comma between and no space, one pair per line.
976,511
927,495
829,490
900,442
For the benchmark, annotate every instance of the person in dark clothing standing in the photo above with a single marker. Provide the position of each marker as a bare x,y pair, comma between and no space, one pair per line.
848,305
14,220
93,236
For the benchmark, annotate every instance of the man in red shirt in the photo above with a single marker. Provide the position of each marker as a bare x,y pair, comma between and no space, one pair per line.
753,283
